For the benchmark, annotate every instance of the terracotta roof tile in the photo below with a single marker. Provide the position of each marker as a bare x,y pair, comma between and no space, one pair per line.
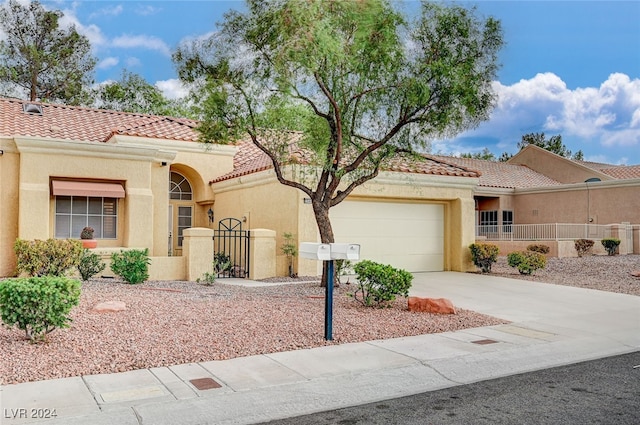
86,124
502,175
623,171
250,159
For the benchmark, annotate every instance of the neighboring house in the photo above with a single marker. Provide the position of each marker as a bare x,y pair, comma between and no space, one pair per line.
537,186
142,180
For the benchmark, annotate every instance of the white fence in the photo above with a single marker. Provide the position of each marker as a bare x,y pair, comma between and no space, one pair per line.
544,232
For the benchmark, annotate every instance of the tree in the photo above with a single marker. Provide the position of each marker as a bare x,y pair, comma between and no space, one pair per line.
48,62
132,93
486,155
553,144
370,84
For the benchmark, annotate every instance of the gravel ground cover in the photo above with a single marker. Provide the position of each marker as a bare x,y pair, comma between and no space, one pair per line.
601,272
169,323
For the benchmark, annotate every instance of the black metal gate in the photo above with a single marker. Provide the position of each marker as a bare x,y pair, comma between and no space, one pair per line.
231,249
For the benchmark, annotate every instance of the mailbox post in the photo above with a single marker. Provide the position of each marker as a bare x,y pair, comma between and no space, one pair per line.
329,253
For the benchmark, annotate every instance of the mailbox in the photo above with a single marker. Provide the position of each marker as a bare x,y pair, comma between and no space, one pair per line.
345,251
315,251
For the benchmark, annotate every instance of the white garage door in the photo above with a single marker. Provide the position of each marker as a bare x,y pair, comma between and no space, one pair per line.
404,235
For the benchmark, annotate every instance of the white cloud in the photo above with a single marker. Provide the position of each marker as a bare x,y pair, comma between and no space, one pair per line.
172,89
142,41
147,10
608,115
133,62
108,63
107,11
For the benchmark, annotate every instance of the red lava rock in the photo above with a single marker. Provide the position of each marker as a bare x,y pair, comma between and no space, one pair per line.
431,305
109,306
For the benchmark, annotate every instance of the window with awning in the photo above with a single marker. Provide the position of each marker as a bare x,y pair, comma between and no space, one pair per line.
80,204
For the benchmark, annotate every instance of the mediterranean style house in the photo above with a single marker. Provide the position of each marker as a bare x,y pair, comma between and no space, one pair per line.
145,181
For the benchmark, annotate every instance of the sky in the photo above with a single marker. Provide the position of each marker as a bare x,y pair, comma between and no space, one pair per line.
569,68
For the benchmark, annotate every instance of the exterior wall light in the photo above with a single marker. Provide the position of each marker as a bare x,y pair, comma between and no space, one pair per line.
210,214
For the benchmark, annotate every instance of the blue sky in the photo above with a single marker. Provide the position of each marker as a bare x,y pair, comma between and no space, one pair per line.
569,67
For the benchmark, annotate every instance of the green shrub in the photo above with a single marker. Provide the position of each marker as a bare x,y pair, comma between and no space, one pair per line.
379,284
541,248
611,245
131,265
289,249
527,262
53,257
484,255
583,246
222,264
90,265
38,305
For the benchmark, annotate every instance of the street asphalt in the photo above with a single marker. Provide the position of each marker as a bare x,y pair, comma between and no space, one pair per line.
598,392
551,326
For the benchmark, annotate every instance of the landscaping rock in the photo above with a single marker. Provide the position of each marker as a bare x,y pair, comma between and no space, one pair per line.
109,306
636,273
431,305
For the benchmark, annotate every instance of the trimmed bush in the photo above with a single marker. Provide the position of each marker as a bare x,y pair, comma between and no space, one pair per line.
527,262
484,255
379,284
53,257
90,265
541,248
611,245
131,265
38,305
583,246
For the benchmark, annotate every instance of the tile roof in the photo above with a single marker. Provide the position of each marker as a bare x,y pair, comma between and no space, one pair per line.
250,159
86,124
623,171
502,175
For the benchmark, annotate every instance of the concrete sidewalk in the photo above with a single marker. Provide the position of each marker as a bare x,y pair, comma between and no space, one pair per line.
551,326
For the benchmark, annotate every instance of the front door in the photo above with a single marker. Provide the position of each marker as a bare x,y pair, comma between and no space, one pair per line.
180,211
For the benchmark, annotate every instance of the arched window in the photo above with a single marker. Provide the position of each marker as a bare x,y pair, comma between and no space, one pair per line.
179,187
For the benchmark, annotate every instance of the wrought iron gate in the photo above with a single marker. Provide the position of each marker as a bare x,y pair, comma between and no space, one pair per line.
231,249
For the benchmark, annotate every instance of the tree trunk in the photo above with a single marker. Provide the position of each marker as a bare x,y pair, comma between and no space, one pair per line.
321,212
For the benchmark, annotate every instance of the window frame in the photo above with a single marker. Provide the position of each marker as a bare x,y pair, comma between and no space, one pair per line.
91,217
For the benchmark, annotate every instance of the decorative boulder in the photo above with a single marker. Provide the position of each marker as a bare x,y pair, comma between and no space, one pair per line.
109,306
431,305
635,273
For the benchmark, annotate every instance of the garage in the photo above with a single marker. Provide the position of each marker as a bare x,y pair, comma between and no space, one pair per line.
405,235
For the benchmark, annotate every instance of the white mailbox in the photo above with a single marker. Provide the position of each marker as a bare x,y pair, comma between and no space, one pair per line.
345,251
315,251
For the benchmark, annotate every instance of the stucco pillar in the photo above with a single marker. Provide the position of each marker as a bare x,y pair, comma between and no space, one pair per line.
197,248
461,217
262,258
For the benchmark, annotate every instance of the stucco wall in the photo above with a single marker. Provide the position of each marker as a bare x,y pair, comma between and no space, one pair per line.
268,204
597,203
555,166
9,170
29,164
